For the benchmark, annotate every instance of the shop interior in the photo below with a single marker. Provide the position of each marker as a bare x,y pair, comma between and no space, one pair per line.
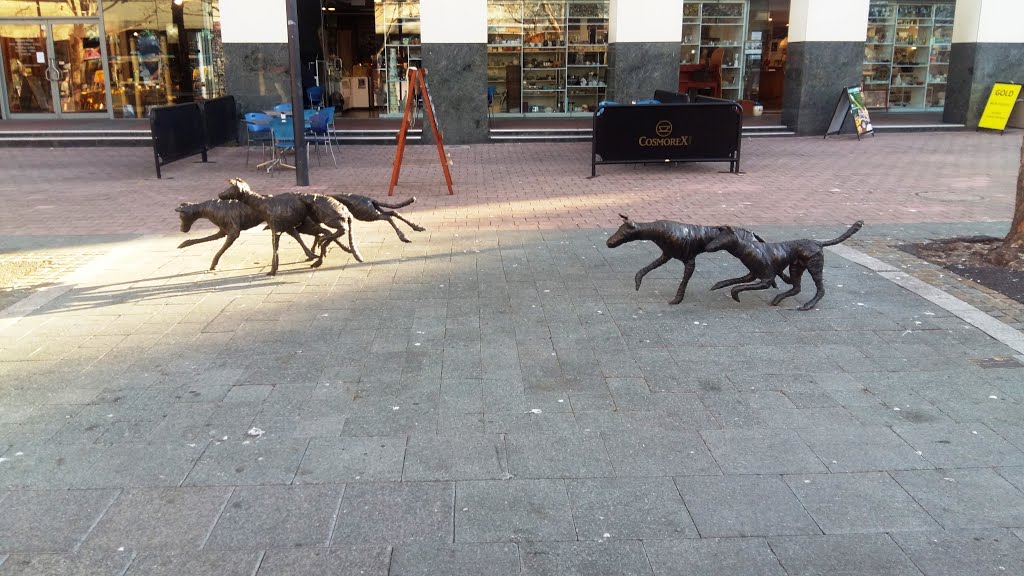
356,52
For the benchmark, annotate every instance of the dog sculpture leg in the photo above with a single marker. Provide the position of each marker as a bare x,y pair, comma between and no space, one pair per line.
352,245
689,265
643,271
275,240
195,241
759,285
227,244
815,266
309,253
388,214
401,235
733,281
796,272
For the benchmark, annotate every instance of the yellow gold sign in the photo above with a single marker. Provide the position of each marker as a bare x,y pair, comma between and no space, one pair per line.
999,106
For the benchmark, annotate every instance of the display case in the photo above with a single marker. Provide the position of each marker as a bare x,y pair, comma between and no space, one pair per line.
906,55
709,25
546,57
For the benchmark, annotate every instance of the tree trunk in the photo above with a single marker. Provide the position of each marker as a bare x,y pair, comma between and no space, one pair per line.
1013,245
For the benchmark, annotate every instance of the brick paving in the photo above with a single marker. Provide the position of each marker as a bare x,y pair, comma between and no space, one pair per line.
496,397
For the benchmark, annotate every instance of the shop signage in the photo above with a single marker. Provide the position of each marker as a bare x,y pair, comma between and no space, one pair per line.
999,106
851,103
704,131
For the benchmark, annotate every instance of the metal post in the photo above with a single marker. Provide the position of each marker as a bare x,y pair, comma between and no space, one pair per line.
295,68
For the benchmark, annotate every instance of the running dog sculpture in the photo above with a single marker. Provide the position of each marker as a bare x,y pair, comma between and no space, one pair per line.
683,242
769,259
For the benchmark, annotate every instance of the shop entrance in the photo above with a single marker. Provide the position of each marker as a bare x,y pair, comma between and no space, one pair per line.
53,68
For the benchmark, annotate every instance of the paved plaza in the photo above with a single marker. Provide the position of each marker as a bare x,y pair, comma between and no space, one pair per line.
495,397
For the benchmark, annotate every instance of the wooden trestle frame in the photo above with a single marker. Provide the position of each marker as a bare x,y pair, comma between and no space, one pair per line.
418,84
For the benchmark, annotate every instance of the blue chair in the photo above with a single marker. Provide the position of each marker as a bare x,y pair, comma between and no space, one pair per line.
320,131
307,116
315,95
492,91
283,107
284,141
257,129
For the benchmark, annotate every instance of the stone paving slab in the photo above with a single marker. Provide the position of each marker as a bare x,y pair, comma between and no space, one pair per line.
500,559
630,509
713,557
51,520
853,554
949,553
742,506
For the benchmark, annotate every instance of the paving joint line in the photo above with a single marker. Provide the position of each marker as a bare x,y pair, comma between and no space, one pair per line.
966,312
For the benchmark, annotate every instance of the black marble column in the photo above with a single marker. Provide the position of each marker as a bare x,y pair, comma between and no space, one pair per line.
457,81
817,73
973,68
256,75
637,69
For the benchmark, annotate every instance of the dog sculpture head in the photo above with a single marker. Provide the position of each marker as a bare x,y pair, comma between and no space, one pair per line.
626,232
187,215
236,189
725,240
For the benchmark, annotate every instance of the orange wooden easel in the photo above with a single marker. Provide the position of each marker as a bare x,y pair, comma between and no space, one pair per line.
418,84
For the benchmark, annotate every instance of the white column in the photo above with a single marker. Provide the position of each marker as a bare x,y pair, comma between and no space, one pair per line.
828,20
453,21
645,21
991,21
253,21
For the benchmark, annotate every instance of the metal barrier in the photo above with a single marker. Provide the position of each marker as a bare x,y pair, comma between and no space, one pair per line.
705,130
183,130
221,120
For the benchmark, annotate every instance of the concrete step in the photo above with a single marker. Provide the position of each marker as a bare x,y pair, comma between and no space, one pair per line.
84,138
73,138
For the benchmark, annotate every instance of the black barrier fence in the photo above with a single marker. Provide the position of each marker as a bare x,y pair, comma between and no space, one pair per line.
184,130
221,120
705,130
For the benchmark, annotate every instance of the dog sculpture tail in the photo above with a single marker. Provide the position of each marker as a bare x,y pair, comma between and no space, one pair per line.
402,204
842,238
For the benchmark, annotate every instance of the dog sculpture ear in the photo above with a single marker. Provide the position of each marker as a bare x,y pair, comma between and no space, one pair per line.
181,207
624,217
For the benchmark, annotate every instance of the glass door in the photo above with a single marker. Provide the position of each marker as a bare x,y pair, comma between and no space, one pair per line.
53,68
26,68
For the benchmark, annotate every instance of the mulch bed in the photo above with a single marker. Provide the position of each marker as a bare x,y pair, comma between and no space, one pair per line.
965,257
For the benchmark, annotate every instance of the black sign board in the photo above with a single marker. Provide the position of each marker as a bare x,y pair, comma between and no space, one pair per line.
707,130
851,103
221,121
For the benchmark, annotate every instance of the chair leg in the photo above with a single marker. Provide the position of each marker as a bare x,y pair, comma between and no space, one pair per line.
330,146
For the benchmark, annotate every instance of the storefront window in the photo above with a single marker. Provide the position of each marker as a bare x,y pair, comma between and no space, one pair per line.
161,53
546,57
48,8
398,22
906,55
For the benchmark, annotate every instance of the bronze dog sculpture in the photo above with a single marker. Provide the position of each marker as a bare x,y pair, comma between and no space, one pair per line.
769,259
677,240
366,209
231,217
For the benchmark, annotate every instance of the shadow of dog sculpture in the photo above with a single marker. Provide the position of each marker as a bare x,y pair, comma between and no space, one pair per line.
769,259
231,217
366,209
677,240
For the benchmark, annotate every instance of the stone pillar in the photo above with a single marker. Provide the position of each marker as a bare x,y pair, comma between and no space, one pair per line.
988,47
644,40
825,54
255,38
454,37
